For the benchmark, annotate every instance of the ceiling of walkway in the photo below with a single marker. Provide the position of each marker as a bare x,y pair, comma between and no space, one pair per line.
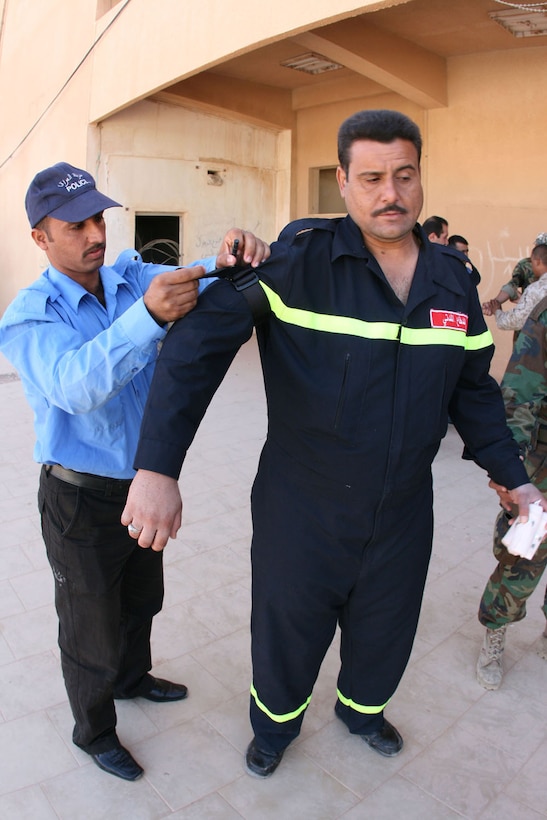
403,48
446,28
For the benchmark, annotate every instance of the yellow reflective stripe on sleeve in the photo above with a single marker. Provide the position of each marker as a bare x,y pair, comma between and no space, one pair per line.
279,718
478,342
330,324
364,710
388,331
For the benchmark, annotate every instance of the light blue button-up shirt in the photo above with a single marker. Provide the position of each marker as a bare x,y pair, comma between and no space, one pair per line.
86,369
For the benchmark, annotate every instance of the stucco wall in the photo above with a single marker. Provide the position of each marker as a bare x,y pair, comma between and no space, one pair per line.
155,158
44,115
486,168
181,37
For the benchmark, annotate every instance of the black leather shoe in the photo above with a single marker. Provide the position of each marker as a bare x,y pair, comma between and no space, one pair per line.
386,741
259,763
119,762
163,691
156,689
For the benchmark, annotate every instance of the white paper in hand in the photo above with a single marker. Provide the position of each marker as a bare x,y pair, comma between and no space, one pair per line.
524,539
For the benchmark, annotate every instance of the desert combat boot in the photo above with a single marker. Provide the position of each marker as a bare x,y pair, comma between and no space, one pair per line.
489,668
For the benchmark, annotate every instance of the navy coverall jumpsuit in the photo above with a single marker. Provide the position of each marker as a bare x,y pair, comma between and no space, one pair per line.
358,388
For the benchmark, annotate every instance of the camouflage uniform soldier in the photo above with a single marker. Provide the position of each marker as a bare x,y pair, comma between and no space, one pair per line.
521,277
524,388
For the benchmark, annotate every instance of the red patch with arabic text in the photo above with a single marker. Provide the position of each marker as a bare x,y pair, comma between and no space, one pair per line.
450,319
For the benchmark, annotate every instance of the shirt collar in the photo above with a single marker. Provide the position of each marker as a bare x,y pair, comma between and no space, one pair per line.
348,240
73,292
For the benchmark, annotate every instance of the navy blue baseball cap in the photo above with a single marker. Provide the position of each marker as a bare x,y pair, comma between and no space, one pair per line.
66,193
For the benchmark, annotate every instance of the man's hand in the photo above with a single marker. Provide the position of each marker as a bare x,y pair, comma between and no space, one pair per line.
153,512
521,496
503,493
489,308
173,294
251,250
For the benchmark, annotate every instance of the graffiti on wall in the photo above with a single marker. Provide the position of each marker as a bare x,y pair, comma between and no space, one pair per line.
497,262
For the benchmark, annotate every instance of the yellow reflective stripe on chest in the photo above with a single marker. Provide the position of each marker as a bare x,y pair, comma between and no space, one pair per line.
445,336
388,331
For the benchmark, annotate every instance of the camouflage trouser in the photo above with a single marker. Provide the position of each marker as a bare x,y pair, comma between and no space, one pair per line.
514,579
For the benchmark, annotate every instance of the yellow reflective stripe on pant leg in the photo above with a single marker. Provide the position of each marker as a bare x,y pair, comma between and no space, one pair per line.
364,710
387,331
279,718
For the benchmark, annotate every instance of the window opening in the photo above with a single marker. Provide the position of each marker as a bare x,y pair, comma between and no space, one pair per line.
324,192
157,238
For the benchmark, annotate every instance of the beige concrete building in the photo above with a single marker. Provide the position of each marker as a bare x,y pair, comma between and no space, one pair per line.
199,116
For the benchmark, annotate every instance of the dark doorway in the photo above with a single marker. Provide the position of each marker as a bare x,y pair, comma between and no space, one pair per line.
157,238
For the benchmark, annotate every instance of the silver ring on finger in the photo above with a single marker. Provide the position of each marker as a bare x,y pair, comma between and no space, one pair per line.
134,530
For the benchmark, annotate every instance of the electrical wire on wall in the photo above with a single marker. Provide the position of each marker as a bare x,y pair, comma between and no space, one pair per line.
538,7
71,75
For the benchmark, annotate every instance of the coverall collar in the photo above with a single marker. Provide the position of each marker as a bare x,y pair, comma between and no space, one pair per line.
348,241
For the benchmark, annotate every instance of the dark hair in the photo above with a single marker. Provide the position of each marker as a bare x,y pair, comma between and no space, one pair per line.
540,252
434,224
378,125
456,239
43,225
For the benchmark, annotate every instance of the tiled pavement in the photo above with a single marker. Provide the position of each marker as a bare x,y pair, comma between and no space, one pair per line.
468,752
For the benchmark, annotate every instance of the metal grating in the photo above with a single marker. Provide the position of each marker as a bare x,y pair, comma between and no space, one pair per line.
311,63
522,23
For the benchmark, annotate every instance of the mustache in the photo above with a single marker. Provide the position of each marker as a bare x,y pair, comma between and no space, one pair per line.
100,246
389,210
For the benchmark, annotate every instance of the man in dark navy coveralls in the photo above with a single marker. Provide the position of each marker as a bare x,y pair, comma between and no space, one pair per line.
374,336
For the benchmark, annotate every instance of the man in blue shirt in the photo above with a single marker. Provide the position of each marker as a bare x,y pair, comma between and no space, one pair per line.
84,339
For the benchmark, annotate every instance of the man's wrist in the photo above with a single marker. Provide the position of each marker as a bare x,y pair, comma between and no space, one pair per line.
157,320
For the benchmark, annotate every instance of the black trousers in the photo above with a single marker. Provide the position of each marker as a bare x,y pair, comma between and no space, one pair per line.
107,590
323,555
